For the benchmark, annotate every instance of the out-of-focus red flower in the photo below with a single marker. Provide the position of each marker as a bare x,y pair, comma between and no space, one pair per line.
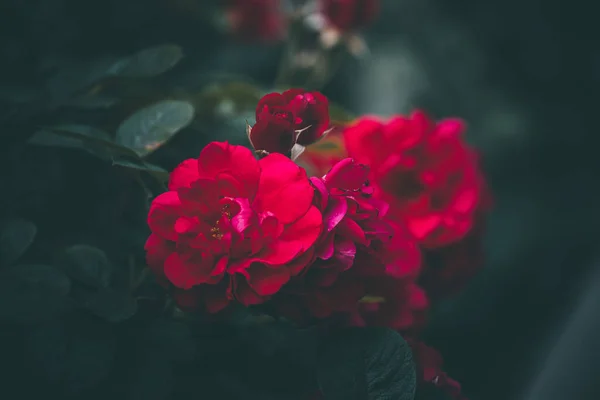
284,119
425,170
252,20
349,15
232,227
429,370
448,269
357,252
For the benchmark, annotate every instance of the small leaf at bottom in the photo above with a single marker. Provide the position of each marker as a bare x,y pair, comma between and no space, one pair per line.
366,364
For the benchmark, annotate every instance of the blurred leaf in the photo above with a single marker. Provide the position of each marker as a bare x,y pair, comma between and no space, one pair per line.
161,174
111,304
148,63
339,116
72,76
30,293
91,101
97,143
151,127
88,138
88,265
366,364
16,235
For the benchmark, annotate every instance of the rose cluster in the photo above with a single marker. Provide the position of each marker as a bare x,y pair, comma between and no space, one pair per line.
370,241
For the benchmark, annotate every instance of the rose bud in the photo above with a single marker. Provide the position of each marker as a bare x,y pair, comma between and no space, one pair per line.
274,131
312,112
289,120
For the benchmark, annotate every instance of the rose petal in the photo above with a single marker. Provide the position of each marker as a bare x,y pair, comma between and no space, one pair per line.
347,175
335,212
306,230
238,161
269,100
164,212
364,141
267,281
157,251
184,174
284,189
185,274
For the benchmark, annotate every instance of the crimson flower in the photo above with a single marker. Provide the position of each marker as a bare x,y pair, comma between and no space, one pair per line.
357,249
284,119
429,370
350,15
256,19
232,227
424,170
448,269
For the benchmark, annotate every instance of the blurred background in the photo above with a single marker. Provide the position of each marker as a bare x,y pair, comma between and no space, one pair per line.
524,75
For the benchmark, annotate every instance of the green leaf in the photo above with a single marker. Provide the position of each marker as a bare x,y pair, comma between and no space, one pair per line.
93,140
16,235
32,293
147,63
92,101
111,304
161,174
88,265
366,364
99,144
153,126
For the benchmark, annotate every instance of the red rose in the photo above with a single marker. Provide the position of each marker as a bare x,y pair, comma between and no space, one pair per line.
350,15
232,227
256,19
294,116
424,170
275,128
356,248
429,370
449,268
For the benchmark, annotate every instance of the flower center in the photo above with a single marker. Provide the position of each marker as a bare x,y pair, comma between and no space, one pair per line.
216,232
225,210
